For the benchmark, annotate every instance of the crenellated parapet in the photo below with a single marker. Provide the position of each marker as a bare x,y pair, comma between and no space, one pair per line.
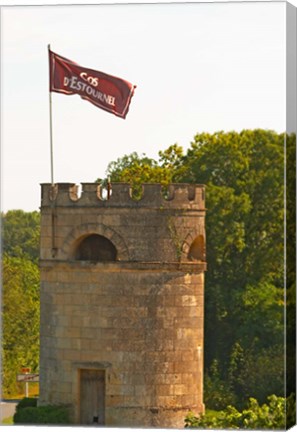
176,195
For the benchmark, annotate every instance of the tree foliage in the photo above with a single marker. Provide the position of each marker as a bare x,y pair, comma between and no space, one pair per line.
271,415
291,263
244,292
135,170
20,296
21,233
244,175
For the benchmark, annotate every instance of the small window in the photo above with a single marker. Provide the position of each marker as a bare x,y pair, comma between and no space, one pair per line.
197,249
95,248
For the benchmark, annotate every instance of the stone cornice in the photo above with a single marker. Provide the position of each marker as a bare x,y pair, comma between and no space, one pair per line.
122,266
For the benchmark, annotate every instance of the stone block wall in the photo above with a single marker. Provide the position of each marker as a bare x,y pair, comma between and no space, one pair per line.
138,318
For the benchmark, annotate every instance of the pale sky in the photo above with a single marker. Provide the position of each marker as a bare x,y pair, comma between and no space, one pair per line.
198,68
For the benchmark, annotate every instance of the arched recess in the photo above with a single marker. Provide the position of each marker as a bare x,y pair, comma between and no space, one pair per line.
197,249
95,247
83,231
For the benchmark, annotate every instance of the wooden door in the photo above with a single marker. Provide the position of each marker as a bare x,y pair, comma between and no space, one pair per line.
92,396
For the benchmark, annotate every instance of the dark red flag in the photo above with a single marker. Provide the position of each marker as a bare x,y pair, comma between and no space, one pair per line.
105,91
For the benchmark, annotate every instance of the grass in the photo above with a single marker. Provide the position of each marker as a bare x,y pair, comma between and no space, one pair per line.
7,421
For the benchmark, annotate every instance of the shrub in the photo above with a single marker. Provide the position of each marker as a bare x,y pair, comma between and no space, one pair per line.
26,402
42,415
267,416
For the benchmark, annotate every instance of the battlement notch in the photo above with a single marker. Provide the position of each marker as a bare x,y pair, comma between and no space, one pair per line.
176,195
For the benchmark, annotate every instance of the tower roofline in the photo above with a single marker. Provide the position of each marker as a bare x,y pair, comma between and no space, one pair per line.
175,195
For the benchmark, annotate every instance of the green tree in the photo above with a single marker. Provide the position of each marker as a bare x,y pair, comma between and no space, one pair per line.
20,295
250,165
261,372
243,173
21,233
218,393
20,319
135,170
291,264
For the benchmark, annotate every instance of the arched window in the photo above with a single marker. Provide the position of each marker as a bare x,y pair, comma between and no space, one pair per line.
95,248
197,249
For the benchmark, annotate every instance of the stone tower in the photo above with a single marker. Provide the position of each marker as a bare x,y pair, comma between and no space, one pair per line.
122,294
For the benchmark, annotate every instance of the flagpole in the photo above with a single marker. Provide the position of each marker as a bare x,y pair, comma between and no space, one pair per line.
54,249
51,130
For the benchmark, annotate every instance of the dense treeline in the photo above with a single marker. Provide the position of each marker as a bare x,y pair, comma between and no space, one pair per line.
20,296
244,292
20,234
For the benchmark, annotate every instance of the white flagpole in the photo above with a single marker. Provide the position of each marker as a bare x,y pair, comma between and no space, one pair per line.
54,249
51,131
